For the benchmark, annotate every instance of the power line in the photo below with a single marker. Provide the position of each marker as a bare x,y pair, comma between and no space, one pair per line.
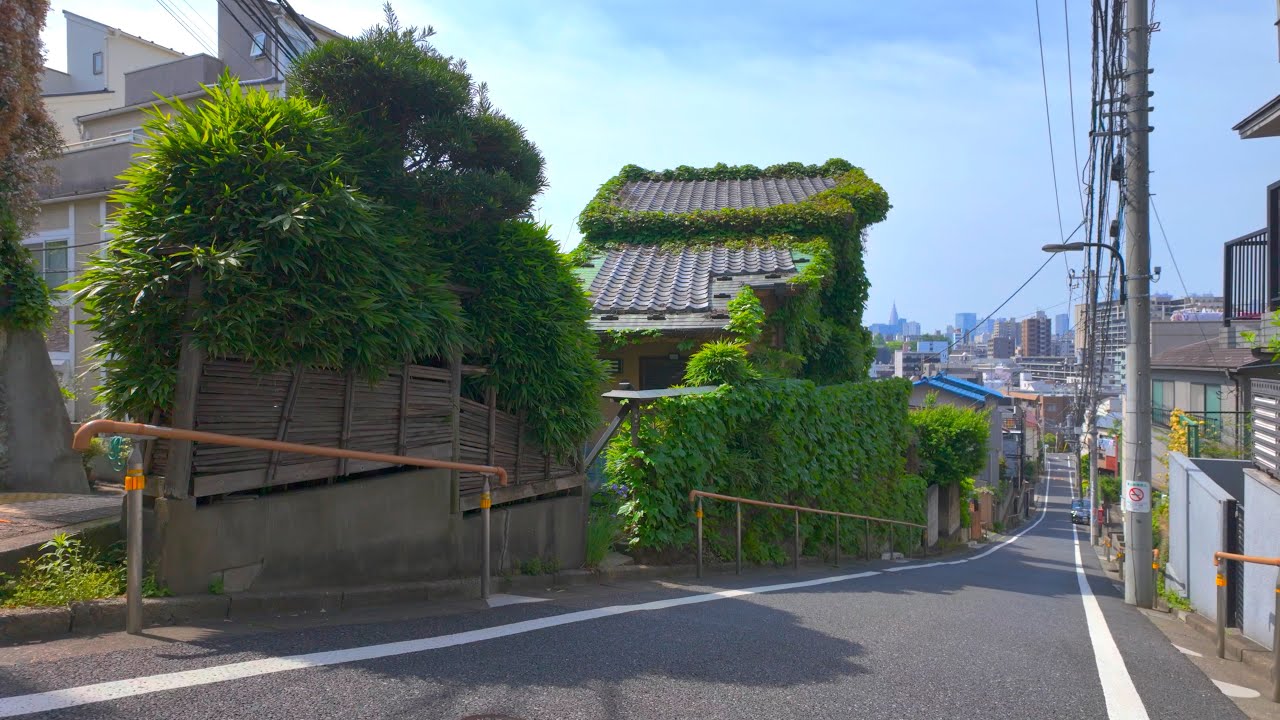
1071,99
185,23
1178,272
1053,163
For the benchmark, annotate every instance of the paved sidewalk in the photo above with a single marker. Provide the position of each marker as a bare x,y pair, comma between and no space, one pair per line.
32,518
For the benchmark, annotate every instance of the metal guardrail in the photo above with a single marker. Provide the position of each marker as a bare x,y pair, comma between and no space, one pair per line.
134,483
696,496
1221,580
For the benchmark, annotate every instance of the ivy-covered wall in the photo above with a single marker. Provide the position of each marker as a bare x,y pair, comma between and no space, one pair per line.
822,322
840,447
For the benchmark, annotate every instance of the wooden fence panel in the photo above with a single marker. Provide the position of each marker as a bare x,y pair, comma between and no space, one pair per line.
409,412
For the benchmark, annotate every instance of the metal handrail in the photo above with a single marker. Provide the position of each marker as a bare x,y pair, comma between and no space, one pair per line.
696,496
134,484
1221,580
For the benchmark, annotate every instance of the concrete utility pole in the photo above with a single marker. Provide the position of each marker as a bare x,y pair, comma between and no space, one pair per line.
1091,406
1136,494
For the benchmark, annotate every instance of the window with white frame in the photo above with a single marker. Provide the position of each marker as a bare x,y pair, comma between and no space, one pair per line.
98,63
52,257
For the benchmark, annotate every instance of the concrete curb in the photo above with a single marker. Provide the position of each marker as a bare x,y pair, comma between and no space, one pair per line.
1239,647
21,625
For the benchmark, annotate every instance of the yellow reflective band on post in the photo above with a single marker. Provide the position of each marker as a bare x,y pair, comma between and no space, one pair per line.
1220,581
486,501
1155,566
134,482
698,513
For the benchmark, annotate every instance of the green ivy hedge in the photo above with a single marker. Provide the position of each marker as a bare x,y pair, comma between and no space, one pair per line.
840,447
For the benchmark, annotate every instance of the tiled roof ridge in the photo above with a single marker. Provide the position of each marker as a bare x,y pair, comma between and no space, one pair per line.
684,196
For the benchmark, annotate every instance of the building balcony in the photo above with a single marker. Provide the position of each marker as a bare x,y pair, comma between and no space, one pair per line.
90,167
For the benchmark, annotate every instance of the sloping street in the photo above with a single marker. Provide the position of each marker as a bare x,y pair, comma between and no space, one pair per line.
1024,627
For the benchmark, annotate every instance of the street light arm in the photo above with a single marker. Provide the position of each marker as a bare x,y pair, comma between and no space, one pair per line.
1115,253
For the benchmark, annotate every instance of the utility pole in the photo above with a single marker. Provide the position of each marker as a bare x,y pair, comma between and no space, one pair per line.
1136,493
1091,404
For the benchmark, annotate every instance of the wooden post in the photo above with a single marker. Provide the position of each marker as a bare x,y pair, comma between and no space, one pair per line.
282,427
190,364
455,420
401,442
635,423
348,409
546,466
491,399
519,446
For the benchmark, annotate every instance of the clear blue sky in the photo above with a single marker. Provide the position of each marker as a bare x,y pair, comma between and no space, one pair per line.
940,101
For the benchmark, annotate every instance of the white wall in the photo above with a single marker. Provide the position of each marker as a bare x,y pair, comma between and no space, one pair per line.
1261,515
1197,523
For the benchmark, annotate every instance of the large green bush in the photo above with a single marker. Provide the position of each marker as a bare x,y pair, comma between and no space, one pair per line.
952,442
720,362
839,447
253,193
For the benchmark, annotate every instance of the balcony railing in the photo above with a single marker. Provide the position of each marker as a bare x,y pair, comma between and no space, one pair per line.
1244,277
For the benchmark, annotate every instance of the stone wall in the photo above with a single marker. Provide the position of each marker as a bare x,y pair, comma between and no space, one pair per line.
35,433
391,528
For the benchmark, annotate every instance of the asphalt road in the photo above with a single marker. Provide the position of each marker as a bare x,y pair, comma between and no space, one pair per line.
998,632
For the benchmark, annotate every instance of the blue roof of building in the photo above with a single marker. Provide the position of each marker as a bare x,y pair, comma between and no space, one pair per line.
963,388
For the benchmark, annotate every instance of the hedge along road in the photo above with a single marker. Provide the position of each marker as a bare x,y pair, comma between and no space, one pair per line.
1003,632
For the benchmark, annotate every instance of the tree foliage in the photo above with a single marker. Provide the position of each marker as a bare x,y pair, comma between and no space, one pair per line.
951,442
422,130
252,193
337,228
27,136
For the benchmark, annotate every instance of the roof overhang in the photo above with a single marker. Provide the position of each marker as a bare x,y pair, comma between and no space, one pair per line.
1263,122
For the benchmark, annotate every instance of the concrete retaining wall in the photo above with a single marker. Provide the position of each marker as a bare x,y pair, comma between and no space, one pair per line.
1197,524
393,528
1261,510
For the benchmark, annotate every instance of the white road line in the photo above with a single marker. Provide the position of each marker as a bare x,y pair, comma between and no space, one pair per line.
1122,698
118,689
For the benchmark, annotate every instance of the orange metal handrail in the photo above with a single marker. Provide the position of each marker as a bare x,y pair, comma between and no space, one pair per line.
86,432
694,494
1273,562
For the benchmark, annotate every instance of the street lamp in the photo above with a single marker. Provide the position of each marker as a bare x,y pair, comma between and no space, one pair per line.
1077,246
1094,530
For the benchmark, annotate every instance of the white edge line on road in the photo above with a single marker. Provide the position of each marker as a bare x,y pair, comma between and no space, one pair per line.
1122,698
132,687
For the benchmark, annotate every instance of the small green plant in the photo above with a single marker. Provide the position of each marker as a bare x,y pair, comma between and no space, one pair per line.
746,315
152,588
97,448
550,565
217,586
65,571
532,566
603,530
720,363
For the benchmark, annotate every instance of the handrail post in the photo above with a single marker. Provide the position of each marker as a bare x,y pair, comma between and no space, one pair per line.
697,514
485,501
892,538
1275,649
797,558
738,537
866,549
1221,580
924,543
134,481
837,551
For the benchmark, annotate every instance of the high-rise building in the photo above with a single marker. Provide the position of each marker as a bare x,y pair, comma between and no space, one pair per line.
1000,347
966,322
910,328
1035,336
1062,324
893,314
1005,327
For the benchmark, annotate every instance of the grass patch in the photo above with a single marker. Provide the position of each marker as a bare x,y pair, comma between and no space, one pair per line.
67,571
604,529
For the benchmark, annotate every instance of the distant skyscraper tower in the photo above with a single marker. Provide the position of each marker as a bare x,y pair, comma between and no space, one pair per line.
966,323
1061,324
893,314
